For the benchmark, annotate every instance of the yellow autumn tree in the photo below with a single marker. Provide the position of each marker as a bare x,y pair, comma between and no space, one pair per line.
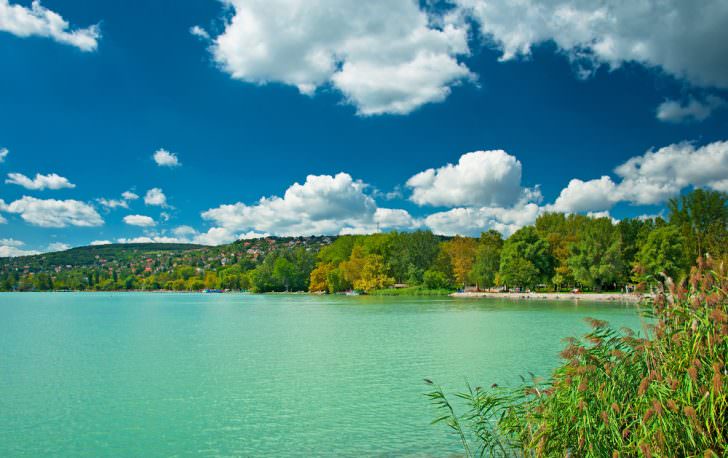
373,274
461,251
319,279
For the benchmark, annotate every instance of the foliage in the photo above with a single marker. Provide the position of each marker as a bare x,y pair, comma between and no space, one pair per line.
618,394
663,252
434,279
525,259
487,259
461,251
596,258
558,251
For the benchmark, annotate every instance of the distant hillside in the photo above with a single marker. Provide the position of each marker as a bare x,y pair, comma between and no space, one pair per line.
90,255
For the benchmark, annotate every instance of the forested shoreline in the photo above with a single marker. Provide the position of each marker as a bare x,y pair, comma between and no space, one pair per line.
558,253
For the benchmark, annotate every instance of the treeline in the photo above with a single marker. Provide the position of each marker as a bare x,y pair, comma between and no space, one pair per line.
558,252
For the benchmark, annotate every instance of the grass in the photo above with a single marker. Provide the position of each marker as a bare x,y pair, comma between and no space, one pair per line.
617,394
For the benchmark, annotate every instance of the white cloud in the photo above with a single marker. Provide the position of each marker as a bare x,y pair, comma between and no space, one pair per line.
55,213
3,154
40,182
155,197
100,242
151,239
128,195
384,56
473,221
199,32
581,196
658,175
164,158
323,204
694,110
139,220
215,236
57,246
480,178
182,231
684,39
11,248
113,203
39,21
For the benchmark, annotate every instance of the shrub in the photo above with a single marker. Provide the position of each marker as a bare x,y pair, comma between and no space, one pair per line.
618,394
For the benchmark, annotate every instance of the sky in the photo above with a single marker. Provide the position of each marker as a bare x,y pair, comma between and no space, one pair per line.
208,121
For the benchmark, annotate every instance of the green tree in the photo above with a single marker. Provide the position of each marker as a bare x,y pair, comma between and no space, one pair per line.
662,252
525,245
596,258
487,259
702,216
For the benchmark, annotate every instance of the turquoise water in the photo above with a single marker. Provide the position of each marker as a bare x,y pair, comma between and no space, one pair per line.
273,375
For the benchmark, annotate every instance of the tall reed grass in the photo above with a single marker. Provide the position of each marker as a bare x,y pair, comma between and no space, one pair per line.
616,393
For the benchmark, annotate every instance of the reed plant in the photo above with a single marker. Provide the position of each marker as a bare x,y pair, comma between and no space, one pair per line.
617,393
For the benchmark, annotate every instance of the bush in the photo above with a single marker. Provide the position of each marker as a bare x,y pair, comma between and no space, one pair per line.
618,394
433,279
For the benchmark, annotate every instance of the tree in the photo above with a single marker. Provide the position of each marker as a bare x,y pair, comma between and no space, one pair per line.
519,271
662,252
283,272
702,217
487,258
320,277
596,258
525,245
462,256
373,274
434,279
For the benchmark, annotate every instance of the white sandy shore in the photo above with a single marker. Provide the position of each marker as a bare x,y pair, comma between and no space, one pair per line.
599,297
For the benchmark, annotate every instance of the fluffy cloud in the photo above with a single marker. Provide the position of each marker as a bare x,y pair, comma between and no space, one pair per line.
113,203
12,248
473,221
3,154
128,195
658,175
164,158
384,56
323,204
100,242
155,197
685,40
151,239
42,22
57,246
581,196
139,220
650,179
55,213
480,178
694,110
40,182
199,32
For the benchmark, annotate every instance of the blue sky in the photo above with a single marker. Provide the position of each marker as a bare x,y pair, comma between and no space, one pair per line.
372,103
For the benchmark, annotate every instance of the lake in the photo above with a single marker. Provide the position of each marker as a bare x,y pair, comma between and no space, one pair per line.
134,374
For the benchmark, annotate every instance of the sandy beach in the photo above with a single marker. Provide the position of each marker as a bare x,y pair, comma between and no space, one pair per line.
599,297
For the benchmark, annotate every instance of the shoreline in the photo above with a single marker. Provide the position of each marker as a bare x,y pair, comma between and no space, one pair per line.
596,297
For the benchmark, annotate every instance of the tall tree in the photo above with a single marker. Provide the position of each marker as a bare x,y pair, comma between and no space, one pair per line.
596,258
662,252
462,255
702,217
487,258
525,244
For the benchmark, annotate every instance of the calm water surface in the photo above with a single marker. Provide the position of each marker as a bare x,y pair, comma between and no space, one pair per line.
221,375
